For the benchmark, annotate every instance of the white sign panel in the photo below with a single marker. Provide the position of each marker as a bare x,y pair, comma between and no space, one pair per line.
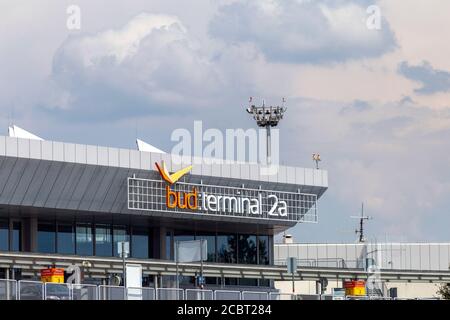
134,281
191,251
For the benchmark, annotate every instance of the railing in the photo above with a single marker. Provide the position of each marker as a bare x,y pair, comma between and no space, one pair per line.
324,263
36,290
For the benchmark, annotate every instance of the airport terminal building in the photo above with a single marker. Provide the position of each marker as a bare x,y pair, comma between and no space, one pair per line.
64,203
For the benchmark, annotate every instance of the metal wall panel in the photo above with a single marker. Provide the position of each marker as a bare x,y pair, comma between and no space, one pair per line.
49,180
91,155
135,159
245,171
2,145
69,152
58,186
102,190
80,153
58,151
36,183
124,158
28,172
102,156
11,147
35,149
146,162
15,169
113,157
309,177
81,187
23,148
92,188
300,176
70,185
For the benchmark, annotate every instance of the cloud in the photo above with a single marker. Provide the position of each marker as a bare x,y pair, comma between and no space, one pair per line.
388,155
432,80
303,31
149,66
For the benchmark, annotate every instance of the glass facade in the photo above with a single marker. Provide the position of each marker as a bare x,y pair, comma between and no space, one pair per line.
247,249
227,248
120,234
140,243
46,237
4,235
65,239
211,243
16,237
85,239
103,240
263,250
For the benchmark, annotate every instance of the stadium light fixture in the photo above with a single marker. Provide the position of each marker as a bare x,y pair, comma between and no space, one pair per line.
267,117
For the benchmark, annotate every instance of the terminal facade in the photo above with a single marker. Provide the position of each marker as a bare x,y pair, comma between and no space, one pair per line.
67,201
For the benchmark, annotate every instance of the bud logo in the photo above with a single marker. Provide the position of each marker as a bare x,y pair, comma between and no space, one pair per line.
174,199
243,205
174,177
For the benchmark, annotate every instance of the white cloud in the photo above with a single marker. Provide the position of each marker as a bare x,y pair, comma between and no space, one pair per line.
150,63
303,31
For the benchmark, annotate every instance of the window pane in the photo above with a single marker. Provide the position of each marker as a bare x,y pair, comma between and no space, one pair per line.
66,239
120,235
16,244
103,240
4,235
226,248
169,244
85,243
211,243
263,247
247,249
139,243
46,237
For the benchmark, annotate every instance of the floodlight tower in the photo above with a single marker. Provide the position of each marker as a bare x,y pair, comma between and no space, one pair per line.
267,117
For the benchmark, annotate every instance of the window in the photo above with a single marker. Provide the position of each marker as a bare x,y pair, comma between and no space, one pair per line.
120,234
16,241
263,249
211,244
46,237
66,239
247,249
85,244
4,235
226,248
140,243
103,240
169,246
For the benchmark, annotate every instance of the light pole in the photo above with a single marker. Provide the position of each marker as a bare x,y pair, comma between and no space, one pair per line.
267,117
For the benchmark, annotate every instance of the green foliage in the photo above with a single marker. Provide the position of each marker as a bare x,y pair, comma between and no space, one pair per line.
444,291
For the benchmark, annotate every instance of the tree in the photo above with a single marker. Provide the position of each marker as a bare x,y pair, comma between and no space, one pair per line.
444,291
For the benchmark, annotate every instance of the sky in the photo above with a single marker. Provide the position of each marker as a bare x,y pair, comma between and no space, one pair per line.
374,102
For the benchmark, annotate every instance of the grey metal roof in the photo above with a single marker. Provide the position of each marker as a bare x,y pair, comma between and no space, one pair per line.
65,176
133,159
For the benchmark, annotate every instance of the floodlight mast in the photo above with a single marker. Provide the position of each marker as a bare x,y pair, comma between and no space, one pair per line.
267,117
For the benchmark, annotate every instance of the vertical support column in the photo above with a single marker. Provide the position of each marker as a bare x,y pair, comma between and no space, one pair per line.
30,228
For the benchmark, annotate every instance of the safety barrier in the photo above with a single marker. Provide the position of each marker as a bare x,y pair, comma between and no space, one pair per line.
36,290
199,294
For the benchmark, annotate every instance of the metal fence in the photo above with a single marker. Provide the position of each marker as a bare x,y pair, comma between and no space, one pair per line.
36,290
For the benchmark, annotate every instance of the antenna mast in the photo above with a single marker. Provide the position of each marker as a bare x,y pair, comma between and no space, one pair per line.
362,219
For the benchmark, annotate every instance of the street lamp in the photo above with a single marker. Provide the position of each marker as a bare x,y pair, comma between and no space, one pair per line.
267,117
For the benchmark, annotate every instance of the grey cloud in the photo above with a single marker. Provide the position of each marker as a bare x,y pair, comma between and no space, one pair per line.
432,80
303,31
149,66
